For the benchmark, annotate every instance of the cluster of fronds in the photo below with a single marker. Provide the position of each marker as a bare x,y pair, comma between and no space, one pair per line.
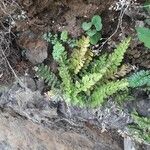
141,128
67,82
88,81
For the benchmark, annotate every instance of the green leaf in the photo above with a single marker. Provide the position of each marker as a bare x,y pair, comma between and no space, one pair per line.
95,38
64,36
86,26
97,22
144,35
91,32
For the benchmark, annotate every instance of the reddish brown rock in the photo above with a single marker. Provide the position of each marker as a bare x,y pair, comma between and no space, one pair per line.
35,49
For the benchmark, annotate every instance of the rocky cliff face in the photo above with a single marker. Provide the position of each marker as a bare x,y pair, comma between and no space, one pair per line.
17,133
30,121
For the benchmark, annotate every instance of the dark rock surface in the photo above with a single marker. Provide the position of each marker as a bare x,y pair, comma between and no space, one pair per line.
18,133
140,104
30,121
143,107
35,49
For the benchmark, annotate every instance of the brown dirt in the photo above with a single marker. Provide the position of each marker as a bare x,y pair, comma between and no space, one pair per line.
59,15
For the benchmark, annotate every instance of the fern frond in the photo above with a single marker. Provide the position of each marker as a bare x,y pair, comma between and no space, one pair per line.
49,77
122,96
122,71
143,122
109,63
77,59
87,64
140,78
89,80
112,60
141,129
67,83
117,56
104,91
98,64
79,99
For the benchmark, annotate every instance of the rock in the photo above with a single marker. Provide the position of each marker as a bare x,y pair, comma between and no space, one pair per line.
36,51
140,103
40,84
30,121
35,48
17,133
143,107
29,82
129,144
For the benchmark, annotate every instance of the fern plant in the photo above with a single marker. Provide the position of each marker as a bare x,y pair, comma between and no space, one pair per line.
141,128
88,81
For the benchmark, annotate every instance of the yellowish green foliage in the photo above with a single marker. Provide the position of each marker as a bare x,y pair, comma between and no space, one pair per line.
116,57
88,57
80,55
88,81
107,65
66,80
98,96
98,73
141,129
92,86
